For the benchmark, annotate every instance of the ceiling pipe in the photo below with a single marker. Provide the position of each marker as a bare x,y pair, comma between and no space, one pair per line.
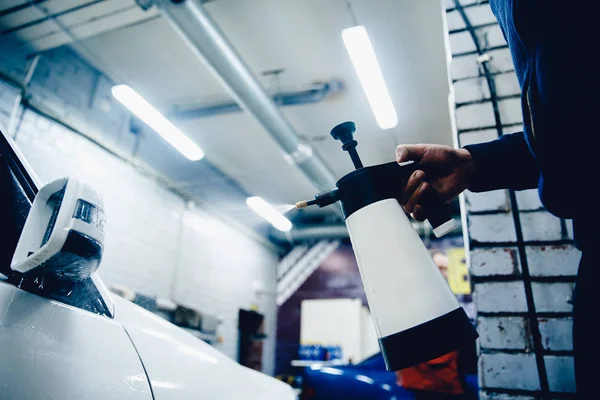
314,94
190,19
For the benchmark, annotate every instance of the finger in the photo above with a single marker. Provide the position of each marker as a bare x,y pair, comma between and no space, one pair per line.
413,183
408,152
419,213
416,197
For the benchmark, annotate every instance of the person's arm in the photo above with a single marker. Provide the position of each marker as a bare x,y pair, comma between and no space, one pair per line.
504,163
563,97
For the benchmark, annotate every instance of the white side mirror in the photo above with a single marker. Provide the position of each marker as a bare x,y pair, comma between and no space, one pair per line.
64,232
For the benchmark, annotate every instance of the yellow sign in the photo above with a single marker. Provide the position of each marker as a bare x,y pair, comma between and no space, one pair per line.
458,272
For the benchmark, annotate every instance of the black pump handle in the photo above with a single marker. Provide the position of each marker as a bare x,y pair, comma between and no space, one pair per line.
344,132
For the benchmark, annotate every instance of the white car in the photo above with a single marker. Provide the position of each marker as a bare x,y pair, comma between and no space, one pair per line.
64,336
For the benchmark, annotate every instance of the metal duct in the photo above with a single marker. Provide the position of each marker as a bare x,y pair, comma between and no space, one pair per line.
192,22
314,94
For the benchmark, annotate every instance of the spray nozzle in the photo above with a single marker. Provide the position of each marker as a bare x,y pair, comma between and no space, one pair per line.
322,199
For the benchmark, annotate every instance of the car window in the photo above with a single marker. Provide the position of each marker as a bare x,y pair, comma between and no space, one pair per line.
16,196
17,191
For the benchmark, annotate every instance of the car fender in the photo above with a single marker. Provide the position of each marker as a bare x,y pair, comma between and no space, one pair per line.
181,366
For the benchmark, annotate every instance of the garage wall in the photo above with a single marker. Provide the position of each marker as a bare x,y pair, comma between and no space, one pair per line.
522,259
155,242
336,278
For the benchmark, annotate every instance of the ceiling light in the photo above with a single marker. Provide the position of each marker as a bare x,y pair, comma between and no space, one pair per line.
155,120
367,68
267,211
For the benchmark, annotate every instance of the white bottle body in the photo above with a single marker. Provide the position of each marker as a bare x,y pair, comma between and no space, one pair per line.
404,287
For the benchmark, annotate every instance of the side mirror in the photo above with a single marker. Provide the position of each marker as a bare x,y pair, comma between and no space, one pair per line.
63,236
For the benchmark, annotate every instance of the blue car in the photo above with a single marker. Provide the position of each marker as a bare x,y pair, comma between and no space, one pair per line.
367,380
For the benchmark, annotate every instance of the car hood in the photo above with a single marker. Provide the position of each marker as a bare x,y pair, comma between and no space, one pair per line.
181,366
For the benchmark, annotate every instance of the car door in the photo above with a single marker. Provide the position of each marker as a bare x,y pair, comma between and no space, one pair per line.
53,347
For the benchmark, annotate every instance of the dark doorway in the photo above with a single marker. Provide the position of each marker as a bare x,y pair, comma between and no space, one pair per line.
251,338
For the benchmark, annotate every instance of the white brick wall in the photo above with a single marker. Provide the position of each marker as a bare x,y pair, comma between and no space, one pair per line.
569,224
499,333
485,135
507,365
501,61
512,128
500,297
481,115
540,226
502,396
553,297
219,270
480,15
510,111
495,200
557,333
449,4
154,243
475,116
510,371
495,261
454,21
529,200
461,43
557,260
492,228
507,85
491,36
464,67
474,89
561,373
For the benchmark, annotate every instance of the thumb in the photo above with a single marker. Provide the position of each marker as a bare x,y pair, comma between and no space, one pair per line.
409,152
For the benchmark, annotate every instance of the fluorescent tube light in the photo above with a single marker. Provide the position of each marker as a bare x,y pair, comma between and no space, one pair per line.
367,68
155,120
265,210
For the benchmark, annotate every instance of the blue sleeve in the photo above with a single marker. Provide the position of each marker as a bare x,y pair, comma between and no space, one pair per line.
565,106
504,163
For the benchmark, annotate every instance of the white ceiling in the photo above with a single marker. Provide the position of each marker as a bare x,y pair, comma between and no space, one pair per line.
84,18
304,37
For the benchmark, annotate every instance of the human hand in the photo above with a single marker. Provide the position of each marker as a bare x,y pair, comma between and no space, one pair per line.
444,169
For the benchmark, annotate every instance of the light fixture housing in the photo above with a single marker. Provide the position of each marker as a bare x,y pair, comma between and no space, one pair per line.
364,60
155,120
268,212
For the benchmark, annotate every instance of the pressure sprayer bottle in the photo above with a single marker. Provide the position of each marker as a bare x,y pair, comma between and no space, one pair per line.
417,317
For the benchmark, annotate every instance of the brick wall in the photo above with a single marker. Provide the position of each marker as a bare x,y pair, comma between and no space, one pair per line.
522,259
155,242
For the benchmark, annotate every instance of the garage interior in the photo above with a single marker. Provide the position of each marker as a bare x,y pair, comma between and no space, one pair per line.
207,237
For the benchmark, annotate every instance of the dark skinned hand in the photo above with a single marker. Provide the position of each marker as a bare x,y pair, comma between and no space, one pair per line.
448,170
